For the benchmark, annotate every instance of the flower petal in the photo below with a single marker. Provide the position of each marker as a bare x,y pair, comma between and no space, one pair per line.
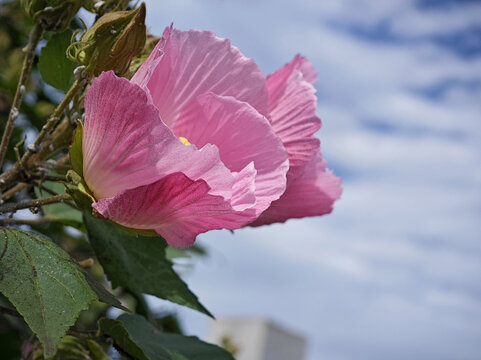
304,66
292,111
311,194
126,145
177,207
242,136
195,62
243,194
143,74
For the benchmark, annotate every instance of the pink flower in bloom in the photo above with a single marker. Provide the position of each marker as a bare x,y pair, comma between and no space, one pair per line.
199,139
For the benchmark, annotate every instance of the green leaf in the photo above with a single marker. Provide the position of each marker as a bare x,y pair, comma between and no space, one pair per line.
59,212
138,263
76,155
143,341
56,69
43,283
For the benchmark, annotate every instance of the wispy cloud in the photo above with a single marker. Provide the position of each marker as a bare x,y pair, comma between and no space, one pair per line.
394,272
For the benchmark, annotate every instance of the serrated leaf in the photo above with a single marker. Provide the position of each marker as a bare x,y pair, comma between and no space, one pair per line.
59,212
138,263
143,341
56,69
43,283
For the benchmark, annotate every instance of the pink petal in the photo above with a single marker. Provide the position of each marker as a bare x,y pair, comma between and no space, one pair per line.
292,109
195,62
143,74
304,66
243,194
312,194
126,145
242,136
177,207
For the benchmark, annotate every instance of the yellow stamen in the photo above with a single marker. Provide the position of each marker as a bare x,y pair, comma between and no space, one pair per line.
184,140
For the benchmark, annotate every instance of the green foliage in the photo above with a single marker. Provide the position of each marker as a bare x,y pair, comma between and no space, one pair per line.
56,69
43,283
138,263
141,340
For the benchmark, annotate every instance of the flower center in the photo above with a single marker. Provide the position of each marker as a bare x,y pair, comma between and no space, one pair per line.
184,140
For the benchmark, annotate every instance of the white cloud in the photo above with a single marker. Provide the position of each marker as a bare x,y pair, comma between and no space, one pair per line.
393,272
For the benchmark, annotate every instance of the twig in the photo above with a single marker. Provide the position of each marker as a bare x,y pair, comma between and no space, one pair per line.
8,194
63,160
51,192
38,221
35,36
50,178
33,203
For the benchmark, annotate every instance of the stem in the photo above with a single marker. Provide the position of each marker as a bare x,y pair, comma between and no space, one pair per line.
46,189
35,36
50,178
8,194
33,203
38,221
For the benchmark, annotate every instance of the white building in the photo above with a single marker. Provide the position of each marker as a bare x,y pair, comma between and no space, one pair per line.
256,339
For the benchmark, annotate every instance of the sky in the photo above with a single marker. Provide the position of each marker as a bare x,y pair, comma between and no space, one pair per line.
395,271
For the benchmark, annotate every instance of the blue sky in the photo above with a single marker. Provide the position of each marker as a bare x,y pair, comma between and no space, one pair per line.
394,272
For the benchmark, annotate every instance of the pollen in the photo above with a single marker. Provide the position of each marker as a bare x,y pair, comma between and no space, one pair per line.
184,140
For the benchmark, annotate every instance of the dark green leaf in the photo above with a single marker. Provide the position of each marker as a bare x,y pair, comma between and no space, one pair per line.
56,69
138,263
43,283
142,340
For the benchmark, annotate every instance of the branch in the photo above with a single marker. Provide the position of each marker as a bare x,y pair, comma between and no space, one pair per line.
35,36
33,203
38,221
51,192
8,194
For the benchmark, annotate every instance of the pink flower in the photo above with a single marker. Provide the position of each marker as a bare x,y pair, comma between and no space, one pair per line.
199,140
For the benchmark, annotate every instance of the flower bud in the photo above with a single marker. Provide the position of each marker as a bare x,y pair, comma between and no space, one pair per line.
52,15
104,6
111,42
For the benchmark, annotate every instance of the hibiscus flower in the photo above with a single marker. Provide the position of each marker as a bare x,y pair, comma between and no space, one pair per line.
200,140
